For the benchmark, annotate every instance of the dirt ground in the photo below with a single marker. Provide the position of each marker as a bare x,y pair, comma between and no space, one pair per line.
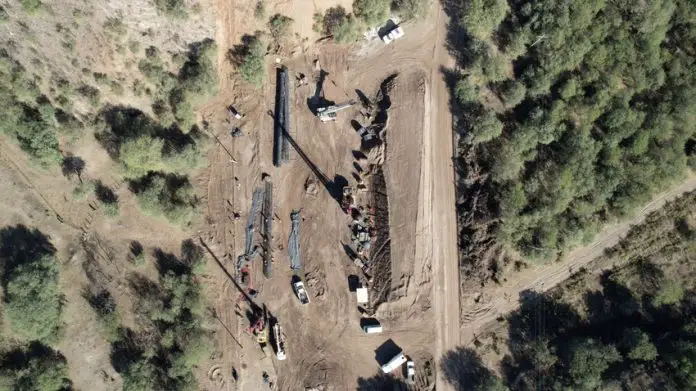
325,344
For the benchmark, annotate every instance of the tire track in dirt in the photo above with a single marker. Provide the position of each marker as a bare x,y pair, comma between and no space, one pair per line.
496,301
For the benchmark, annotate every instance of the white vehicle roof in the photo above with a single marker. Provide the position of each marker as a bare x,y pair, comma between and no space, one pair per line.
362,295
396,33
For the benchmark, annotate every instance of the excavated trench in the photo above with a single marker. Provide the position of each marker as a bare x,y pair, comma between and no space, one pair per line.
375,149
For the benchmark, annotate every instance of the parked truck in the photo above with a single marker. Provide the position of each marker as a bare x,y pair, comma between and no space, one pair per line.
301,292
279,340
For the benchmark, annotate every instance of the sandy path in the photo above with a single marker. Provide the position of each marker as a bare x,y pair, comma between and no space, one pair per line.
499,300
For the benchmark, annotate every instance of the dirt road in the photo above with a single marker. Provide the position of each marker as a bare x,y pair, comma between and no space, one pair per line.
439,197
497,300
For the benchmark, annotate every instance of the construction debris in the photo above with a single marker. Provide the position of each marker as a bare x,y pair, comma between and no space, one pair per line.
294,241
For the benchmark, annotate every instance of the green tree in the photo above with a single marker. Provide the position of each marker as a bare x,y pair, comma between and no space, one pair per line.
343,27
141,155
412,9
140,376
372,12
639,345
588,359
481,17
33,303
513,93
466,92
671,292
483,126
279,26
35,367
253,68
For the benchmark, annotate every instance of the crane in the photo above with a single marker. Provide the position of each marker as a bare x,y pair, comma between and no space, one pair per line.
328,113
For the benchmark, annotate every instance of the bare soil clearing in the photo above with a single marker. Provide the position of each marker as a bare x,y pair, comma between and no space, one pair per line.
325,344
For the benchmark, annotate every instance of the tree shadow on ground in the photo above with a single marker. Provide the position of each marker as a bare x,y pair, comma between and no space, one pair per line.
104,194
381,382
464,370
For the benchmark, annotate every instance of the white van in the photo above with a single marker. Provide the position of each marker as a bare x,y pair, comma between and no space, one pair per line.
372,328
394,363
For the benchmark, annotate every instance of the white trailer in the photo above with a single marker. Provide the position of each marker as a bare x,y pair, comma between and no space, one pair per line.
394,363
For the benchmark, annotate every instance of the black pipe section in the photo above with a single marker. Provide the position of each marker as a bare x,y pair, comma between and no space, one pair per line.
281,152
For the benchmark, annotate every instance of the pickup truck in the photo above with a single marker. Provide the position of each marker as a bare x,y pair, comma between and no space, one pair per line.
301,292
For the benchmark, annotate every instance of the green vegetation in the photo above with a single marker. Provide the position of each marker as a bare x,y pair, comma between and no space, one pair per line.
173,8
173,313
343,27
260,9
484,126
279,26
411,9
33,368
31,6
22,118
630,328
30,280
481,17
83,190
598,114
372,12
108,318
142,146
177,96
169,196
252,67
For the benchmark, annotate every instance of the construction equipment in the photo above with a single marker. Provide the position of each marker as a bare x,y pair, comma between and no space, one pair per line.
301,292
233,112
279,339
259,327
348,201
328,113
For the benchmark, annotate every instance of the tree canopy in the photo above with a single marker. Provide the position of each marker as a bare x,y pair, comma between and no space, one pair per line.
598,103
